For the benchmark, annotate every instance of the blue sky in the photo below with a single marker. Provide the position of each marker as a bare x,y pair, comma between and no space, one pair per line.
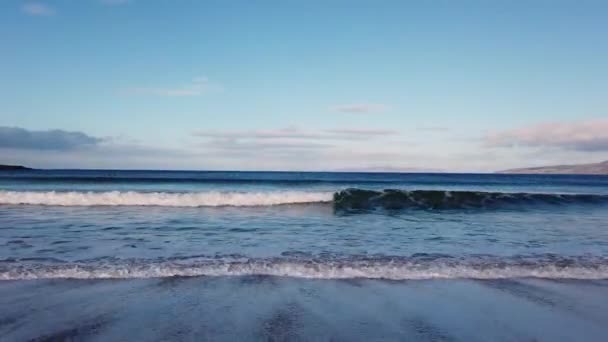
303,85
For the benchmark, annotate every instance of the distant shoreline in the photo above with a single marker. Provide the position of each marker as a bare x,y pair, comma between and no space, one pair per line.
575,169
13,168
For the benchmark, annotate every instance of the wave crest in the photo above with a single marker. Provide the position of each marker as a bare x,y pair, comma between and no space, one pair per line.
442,199
342,200
133,198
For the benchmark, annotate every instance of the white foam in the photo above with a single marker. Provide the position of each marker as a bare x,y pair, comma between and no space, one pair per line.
302,270
133,198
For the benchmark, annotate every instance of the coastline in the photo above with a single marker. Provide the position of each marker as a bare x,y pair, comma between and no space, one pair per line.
13,168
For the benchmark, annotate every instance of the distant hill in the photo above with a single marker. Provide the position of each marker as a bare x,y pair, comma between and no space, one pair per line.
581,169
13,168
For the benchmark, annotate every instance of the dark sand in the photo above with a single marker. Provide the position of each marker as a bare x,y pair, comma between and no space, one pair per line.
288,309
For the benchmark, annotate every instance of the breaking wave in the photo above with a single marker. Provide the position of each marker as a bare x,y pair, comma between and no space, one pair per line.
441,199
345,199
392,268
166,199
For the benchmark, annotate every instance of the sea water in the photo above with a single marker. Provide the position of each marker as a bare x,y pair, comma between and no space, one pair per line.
155,224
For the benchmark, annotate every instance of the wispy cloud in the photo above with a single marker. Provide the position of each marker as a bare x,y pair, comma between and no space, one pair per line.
37,9
196,87
585,135
114,2
296,148
239,147
282,133
295,133
433,128
361,108
362,132
20,138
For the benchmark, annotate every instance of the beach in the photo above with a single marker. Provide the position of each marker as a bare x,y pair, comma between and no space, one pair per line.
261,308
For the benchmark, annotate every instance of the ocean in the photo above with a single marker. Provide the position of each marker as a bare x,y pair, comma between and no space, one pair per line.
91,254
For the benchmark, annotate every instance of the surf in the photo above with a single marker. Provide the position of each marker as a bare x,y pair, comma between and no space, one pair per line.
163,199
420,267
348,199
447,199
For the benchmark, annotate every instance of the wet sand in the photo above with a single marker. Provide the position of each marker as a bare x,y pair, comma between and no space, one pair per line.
288,309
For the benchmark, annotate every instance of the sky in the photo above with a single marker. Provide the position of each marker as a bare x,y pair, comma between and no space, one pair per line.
458,86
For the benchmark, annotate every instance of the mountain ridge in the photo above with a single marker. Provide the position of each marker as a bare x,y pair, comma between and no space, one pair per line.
600,168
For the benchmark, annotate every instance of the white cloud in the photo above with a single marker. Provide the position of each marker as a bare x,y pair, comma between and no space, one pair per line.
196,87
584,135
361,108
37,9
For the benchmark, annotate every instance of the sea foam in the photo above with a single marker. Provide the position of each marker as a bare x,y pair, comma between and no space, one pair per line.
392,269
189,199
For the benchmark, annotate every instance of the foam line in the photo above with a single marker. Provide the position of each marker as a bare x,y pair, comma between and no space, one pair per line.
315,269
133,198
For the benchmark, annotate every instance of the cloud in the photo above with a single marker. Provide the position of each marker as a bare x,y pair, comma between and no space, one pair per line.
197,86
362,132
282,133
295,148
295,133
236,150
114,2
361,108
19,138
433,128
293,155
37,9
247,148
586,135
